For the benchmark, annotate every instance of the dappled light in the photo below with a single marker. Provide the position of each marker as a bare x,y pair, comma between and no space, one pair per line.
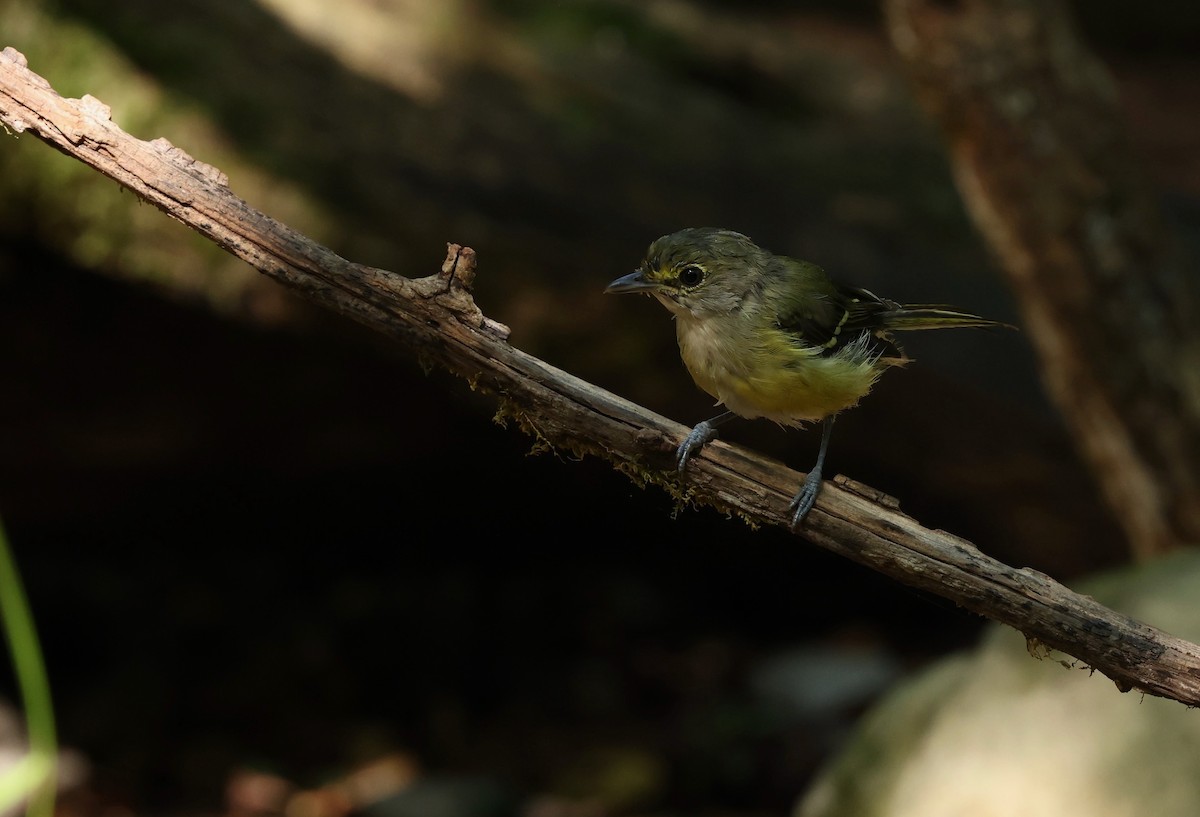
280,564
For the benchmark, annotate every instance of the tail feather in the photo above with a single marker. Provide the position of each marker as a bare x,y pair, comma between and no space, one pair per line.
933,316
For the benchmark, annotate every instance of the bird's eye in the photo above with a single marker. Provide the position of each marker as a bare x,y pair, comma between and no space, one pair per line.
691,275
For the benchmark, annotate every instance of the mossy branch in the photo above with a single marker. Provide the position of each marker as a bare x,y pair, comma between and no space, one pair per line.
437,320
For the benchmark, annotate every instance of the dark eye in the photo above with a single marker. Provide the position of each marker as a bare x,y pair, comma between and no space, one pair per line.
691,275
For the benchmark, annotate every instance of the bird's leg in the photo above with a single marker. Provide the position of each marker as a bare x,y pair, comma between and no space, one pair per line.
699,436
804,500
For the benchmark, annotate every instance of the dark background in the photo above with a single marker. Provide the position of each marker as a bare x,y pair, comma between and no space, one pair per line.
256,537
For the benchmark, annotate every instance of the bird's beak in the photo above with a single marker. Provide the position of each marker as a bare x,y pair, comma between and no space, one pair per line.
633,282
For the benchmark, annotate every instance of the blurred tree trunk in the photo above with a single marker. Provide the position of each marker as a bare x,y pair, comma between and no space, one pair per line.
1043,162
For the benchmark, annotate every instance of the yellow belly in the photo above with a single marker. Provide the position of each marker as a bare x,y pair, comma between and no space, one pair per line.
770,375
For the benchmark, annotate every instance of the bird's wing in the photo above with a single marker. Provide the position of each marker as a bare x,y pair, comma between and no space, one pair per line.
832,315
864,309
808,305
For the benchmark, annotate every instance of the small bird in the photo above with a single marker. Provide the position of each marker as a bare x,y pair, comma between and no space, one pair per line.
774,337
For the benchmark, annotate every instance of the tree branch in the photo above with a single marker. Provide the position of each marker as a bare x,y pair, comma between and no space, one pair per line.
437,319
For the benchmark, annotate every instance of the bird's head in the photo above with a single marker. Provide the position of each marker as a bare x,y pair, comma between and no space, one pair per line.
700,270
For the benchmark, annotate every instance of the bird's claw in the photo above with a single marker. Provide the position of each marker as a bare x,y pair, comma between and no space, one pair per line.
696,439
805,499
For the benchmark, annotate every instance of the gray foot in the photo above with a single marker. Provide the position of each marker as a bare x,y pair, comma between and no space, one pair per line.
807,497
697,439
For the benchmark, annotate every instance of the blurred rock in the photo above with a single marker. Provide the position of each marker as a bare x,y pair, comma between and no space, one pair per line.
814,680
996,733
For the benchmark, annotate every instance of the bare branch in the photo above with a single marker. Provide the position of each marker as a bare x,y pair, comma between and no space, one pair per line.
436,318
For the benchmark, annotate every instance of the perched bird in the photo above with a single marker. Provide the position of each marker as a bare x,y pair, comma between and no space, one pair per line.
774,337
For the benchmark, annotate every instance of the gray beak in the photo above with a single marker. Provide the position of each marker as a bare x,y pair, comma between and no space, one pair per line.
633,282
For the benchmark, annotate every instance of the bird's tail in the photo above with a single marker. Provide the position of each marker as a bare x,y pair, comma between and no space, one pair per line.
933,316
